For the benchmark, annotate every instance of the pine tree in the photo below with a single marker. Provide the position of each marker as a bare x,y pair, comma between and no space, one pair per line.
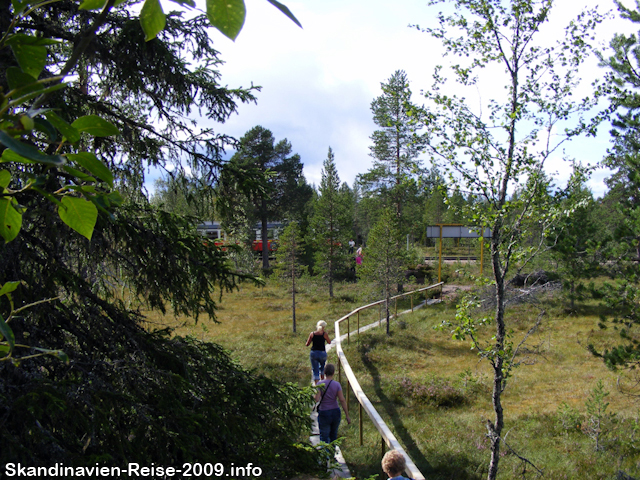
278,189
396,145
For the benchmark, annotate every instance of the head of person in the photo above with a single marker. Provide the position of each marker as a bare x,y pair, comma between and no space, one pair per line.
329,370
321,325
393,463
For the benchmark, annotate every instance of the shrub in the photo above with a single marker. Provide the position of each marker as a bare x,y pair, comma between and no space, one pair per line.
568,417
436,392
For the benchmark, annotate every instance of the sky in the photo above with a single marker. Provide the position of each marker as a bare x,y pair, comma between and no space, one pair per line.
318,81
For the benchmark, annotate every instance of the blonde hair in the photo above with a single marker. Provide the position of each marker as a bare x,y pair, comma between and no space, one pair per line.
393,463
321,325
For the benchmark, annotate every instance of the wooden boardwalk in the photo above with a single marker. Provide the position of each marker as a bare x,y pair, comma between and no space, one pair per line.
342,471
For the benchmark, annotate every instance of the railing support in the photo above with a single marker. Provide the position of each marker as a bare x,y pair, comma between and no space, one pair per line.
360,421
363,402
347,390
382,448
348,331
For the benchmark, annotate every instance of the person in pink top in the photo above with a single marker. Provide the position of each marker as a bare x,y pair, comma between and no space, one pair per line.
329,394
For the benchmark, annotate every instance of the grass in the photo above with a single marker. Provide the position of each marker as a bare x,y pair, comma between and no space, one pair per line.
433,391
255,324
450,442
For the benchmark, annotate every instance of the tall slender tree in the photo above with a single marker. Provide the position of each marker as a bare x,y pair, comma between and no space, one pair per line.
490,153
288,260
330,224
383,263
396,145
395,150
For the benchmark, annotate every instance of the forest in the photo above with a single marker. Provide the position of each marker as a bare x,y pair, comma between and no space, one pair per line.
94,93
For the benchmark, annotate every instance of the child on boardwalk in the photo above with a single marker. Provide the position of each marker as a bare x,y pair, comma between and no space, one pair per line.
393,464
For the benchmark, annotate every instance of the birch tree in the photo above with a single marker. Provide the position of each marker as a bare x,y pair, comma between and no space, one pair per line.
490,147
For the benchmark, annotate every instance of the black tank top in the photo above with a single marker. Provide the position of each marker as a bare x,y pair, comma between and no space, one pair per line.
318,342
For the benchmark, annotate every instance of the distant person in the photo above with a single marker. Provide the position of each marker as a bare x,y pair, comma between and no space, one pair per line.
352,244
359,256
318,353
393,464
329,393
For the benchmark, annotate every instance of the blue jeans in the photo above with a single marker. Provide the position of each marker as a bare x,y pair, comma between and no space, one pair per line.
318,359
329,421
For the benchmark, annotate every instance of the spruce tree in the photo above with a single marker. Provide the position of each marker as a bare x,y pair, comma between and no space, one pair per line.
330,225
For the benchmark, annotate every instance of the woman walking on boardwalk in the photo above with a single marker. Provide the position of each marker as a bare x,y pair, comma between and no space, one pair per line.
318,353
329,394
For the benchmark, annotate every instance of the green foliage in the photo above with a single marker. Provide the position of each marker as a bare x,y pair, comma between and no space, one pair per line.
395,150
288,258
598,422
291,246
572,239
492,151
179,401
568,417
623,247
122,394
384,262
182,194
330,227
264,179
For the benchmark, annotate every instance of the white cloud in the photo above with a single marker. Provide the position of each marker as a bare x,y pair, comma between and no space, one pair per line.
318,82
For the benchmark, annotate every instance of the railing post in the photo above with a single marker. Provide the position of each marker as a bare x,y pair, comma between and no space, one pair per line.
360,421
358,327
382,449
339,371
412,302
348,330
348,385
396,316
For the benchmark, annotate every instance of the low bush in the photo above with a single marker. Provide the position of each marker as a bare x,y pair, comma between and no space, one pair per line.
434,391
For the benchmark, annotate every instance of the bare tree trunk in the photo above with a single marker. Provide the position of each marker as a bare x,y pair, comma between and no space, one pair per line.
264,235
331,272
495,429
293,292
386,302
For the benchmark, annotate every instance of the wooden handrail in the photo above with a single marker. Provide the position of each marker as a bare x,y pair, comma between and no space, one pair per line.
386,434
359,309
